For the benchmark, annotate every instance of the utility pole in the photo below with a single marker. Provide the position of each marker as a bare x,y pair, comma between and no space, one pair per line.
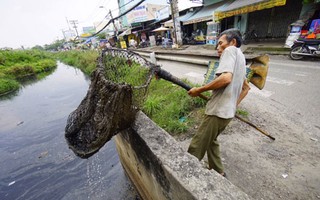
68,23
115,28
64,35
74,23
176,22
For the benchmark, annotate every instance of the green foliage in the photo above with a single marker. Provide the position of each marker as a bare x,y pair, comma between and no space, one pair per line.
153,105
37,47
242,112
120,70
7,85
54,46
84,60
21,63
102,35
167,103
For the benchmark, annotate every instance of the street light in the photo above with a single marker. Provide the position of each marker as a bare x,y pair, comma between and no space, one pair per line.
109,17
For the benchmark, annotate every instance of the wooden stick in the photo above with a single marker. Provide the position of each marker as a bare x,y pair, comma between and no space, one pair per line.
244,120
254,126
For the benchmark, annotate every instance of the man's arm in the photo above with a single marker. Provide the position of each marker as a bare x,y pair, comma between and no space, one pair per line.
244,91
220,82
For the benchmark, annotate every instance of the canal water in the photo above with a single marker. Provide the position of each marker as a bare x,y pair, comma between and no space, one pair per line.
35,161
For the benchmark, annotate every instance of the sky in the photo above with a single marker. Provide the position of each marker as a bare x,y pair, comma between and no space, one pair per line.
38,22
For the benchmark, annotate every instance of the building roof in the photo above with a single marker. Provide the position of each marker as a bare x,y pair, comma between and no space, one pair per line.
241,3
206,13
181,18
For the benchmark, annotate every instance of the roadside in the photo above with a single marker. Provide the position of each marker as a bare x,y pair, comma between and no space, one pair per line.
251,50
287,168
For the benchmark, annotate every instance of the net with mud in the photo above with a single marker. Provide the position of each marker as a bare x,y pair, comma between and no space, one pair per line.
117,91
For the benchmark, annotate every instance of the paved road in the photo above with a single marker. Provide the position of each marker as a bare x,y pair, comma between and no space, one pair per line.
294,84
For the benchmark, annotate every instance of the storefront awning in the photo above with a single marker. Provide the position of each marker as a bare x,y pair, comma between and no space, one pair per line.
205,14
126,32
182,18
245,6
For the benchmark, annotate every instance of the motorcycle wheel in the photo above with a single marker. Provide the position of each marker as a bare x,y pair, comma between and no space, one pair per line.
192,42
296,49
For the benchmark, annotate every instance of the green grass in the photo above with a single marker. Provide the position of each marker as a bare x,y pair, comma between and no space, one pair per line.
84,60
19,64
242,112
169,106
8,85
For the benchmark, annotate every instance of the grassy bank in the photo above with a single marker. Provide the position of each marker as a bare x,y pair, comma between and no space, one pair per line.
19,64
84,60
166,104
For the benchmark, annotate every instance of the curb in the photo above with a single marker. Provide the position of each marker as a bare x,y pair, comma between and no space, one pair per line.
185,60
249,53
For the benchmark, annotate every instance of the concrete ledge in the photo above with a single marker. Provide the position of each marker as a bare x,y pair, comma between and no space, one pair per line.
177,59
160,169
179,52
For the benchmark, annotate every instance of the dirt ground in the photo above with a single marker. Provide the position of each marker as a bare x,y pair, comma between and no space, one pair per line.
287,168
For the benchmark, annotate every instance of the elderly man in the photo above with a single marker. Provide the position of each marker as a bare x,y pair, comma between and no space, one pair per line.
229,87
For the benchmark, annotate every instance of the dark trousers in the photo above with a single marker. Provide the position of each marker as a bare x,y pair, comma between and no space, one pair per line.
205,140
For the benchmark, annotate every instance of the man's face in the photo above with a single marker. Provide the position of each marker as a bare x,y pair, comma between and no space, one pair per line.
223,44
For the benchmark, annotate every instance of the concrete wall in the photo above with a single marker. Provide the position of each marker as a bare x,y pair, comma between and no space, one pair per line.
160,169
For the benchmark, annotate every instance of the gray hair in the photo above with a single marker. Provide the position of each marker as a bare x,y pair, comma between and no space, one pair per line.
231,34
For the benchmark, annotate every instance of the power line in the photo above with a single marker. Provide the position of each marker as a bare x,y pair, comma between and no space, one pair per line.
122,6
113,19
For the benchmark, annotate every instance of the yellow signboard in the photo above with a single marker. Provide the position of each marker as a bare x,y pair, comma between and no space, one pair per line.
123,44
250,8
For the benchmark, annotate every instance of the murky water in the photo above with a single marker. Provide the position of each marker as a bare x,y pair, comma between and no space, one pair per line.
35,161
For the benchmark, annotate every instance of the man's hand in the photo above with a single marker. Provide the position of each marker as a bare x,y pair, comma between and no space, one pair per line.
194,92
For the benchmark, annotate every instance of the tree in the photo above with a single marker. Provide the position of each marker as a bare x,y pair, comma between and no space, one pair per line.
55,45
102,35
37,47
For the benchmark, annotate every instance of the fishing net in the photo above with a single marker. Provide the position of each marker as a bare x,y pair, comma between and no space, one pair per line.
117,90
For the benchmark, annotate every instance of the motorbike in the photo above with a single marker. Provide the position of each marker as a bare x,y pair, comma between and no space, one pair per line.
249,36
188,40
144,44
305,47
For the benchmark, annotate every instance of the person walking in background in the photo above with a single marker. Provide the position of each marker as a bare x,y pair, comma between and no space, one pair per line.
229,87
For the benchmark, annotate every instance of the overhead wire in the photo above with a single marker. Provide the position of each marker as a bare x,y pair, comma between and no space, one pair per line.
94,13
115,18
122,6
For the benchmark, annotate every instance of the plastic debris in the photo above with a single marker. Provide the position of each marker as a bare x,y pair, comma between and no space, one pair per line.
284,175
314,139
11,183
20,123
182,119
43,154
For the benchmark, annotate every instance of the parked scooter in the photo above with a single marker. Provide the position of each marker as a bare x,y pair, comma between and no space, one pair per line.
249,36
144,44
188,40
305,47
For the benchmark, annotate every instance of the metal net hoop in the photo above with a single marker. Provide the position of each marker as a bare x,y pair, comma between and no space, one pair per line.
127,67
